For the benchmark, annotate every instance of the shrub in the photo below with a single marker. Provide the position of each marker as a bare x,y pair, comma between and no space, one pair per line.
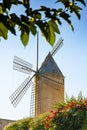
69,115
20,124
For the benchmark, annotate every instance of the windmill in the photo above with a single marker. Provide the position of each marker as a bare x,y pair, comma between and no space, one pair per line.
37,96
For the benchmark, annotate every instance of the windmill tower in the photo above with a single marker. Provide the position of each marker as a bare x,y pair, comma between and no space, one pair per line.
51,87
48,87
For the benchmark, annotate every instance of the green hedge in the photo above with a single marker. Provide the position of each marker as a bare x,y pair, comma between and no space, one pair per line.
69,115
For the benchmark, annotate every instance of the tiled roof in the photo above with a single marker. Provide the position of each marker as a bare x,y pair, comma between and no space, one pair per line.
49,65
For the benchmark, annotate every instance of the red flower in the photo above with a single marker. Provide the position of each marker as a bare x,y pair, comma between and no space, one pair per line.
48,118
47,126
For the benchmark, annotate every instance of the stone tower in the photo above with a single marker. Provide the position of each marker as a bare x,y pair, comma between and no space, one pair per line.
49,86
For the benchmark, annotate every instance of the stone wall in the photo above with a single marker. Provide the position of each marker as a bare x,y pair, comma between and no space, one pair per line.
4,122
49,90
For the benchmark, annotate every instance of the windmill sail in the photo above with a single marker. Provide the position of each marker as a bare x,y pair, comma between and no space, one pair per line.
22,65
57,46
52,52
20,91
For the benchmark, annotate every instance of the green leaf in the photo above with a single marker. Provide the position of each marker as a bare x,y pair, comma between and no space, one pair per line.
15,19
53,24
3,31
76,10
8,23
25,2
10,26
7,3
51,36
82,1
24,18
43,27
51,32
14,1
1,11
24,37
66,17
84,125
36,14
32,28
48,30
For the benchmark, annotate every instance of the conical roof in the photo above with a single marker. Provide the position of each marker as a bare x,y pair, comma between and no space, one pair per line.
49,65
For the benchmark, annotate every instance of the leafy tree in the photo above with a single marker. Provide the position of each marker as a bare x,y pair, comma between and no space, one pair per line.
32,19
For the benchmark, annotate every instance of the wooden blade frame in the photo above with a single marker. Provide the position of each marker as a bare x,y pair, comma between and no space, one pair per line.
57,46
20,91
53,51
22,65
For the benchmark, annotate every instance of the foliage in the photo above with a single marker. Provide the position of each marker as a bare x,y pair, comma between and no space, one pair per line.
69,115
45,18
20,124
38,122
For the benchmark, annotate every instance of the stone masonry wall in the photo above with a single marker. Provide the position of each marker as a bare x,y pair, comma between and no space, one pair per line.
4,122
50,90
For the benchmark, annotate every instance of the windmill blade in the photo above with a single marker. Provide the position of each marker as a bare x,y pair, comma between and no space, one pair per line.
22,65
53,51
20,91
57,46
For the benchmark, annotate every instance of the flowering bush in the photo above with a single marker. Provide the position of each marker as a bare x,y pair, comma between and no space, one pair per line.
69,115
38,123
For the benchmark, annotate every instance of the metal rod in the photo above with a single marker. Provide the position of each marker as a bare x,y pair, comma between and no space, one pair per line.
37,49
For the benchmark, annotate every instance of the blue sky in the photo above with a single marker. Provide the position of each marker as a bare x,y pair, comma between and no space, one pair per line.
71,59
